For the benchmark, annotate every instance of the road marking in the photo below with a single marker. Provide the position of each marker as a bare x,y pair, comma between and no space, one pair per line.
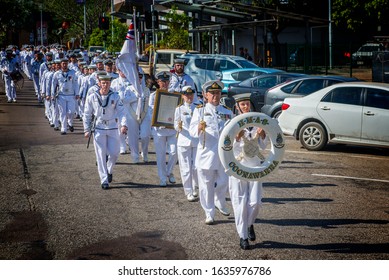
353,178
331,154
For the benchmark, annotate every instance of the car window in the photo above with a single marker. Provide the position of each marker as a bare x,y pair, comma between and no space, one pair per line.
377,98
332,82
201,63
288,88
266,82
344,95
309,86
243,75
163,58
226,65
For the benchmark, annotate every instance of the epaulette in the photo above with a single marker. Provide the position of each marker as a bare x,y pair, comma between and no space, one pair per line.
228,108
200,106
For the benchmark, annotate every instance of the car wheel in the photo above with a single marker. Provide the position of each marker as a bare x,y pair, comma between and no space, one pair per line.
276,114
313,136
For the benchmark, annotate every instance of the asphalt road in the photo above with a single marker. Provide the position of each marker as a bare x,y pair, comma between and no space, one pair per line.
324,205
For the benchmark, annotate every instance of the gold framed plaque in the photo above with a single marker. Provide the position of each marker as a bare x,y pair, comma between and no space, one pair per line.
164,107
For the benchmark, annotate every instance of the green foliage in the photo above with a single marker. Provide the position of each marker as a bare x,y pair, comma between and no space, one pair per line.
177,37
355,13
115,45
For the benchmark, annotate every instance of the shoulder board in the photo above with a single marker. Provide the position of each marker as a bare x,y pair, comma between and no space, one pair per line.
200,106
228,108
179,105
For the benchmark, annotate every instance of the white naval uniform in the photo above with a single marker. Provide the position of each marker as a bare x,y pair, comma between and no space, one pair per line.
164,141
177,82
67,92
121,86
246,196
210,170
108,111
9,66
186,147
35,67
45,75
142,128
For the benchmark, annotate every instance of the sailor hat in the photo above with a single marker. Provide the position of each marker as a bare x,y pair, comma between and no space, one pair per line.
212,86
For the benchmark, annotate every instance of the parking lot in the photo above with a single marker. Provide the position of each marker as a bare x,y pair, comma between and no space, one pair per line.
323,205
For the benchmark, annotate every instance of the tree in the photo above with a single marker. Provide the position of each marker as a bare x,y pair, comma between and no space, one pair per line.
119,31
177,37
66,10
14,16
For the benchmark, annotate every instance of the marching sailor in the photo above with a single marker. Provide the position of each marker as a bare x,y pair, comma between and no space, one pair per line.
121,85
108,110
179,78
245,195
186,145
140,125
9,65
207,123
65,83
164,140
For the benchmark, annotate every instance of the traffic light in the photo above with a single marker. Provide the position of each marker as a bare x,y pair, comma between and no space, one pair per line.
104,23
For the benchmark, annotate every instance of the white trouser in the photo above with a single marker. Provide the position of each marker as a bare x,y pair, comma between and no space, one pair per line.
135,132
47,110
211,196
37,86
66,108
10,88
55,112
186,160
106,143
246,199
163,144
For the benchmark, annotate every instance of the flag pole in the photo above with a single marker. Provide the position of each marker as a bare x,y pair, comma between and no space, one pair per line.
136,33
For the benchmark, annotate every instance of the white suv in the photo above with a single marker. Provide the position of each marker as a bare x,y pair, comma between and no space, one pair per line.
204,67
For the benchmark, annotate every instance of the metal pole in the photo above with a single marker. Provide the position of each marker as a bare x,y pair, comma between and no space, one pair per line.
330,33
85,20
41,25
112,10
153,24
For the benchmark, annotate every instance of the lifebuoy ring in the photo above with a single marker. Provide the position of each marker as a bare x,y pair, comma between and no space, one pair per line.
226,154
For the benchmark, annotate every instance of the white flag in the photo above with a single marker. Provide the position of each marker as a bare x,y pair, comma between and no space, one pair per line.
127,63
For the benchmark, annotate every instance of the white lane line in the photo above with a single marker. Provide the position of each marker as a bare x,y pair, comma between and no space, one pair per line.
353,178
338,154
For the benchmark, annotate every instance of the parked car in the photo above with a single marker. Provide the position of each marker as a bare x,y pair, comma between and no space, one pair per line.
258,86
205,67
349,113
364,55
297,88
241,74
92,50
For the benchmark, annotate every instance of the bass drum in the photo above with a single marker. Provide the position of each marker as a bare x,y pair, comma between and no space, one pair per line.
270,164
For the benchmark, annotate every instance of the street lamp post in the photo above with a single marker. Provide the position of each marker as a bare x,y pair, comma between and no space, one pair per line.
41,6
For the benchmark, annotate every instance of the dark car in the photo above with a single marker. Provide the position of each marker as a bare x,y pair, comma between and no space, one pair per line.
303,86
258,86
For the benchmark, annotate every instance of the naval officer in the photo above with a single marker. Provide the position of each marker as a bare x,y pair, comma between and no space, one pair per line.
207,123
186,144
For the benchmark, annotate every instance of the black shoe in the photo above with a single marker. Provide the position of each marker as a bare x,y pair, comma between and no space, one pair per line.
71,128
109,178
63,133
51,125
56,128
251,233
244,244
104,186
